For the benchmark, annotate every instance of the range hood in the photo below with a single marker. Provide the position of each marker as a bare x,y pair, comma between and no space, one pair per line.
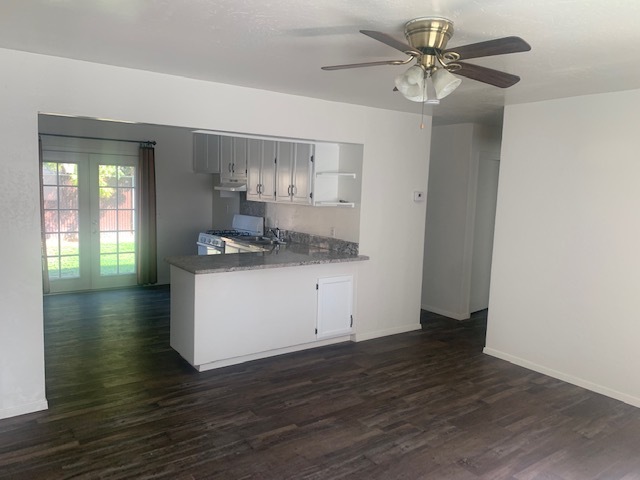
231,186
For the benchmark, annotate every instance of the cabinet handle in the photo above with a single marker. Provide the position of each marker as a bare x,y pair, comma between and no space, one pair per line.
258,188
294,190
230,167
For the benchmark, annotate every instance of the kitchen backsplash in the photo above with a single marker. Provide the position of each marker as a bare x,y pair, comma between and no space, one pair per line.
256,209
259,209
328,243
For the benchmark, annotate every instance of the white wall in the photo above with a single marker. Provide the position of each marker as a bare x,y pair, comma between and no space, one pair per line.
449,248
444,274
483,227
393,168
565,283
184,199
389,294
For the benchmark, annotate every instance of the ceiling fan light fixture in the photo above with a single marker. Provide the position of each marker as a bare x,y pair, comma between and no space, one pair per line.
444,82
411,84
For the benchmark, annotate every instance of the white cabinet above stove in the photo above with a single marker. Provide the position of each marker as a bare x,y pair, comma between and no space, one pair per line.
233,159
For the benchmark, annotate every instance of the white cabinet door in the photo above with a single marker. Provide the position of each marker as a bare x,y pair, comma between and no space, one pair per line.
335,313
301,178
294,168
239,167
226,158
254,169
268,188
261,170
284,169
206,158
233,158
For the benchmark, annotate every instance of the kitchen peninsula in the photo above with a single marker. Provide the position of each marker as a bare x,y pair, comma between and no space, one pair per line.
229,309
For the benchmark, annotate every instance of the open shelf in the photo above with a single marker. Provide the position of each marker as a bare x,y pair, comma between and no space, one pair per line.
336,174
335,203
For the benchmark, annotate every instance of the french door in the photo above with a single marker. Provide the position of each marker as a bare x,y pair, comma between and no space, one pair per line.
90,217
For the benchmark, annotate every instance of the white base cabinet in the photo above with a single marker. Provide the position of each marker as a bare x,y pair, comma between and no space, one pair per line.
335,306
227,318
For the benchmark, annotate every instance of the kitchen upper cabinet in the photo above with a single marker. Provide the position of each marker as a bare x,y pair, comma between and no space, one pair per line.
302,191
284,171
319,174
294,167
335,306
233,158
261,169
206,153
239,168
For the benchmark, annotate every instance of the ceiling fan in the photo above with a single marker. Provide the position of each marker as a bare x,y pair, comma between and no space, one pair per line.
427,39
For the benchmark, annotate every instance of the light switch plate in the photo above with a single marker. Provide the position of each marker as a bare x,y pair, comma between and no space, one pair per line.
418,196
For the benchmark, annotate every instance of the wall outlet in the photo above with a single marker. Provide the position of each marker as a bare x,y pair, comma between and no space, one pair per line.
333,232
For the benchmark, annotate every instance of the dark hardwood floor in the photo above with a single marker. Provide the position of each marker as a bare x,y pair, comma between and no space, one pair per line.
421,405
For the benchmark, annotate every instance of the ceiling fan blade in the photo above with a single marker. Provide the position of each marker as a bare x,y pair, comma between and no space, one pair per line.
368,64
392,42
499,46
486,75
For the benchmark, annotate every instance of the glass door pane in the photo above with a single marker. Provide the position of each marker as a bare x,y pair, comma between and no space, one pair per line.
116,219
61,218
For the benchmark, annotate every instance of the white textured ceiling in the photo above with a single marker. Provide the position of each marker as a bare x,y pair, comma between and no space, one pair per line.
578,46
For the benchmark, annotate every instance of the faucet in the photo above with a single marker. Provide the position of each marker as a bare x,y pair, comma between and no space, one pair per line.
275,232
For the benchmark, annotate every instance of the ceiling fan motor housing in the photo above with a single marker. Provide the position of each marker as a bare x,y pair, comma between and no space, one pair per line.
428,34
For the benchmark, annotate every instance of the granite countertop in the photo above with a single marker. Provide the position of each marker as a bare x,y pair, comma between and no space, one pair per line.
290,255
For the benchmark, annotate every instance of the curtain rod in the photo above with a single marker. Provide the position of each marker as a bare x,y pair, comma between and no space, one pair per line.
148,142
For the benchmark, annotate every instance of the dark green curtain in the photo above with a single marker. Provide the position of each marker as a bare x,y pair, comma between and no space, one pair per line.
147,250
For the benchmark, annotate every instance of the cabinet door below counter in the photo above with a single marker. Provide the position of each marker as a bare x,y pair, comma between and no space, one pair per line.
335,306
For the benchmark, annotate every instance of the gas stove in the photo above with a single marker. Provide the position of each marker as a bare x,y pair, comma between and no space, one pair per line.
231,233
215,241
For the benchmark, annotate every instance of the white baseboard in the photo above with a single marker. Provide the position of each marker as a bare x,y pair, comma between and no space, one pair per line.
271,353
361,337
580,382
446,313
24,409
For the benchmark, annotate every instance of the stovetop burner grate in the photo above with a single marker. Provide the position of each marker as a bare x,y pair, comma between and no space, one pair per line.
230,233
